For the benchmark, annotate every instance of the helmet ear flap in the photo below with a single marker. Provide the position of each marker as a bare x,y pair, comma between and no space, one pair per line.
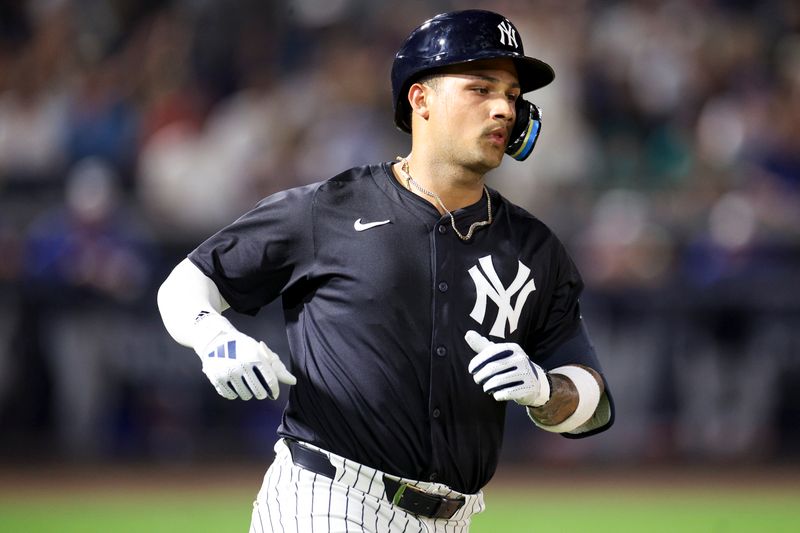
526,130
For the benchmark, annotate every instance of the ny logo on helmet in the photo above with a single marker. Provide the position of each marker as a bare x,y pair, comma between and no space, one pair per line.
507,30
489,286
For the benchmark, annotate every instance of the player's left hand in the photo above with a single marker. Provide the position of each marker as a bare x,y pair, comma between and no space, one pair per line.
506,372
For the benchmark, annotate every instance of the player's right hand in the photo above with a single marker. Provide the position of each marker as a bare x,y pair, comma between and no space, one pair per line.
240,367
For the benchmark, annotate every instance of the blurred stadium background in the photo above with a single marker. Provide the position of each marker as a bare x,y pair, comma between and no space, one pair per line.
131,130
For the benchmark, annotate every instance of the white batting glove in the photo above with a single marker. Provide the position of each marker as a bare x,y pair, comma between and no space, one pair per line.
240,367
506,372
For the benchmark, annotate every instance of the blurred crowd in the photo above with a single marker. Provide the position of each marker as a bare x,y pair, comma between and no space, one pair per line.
669,164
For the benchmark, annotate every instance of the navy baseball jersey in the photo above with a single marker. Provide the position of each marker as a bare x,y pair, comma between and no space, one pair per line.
378,292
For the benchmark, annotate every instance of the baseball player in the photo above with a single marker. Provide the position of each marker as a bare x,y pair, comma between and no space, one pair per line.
419,304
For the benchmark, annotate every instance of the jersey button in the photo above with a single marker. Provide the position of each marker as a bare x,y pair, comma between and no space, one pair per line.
441,351
443,286
434,476
442,229
436,413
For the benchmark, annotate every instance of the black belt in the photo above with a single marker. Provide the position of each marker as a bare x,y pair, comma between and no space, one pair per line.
403,495
309,459
415,501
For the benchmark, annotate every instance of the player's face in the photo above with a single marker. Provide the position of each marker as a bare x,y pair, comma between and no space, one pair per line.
473,112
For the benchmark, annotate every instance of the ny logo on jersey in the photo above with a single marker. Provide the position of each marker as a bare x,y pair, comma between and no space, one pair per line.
489,286
507,31
220,351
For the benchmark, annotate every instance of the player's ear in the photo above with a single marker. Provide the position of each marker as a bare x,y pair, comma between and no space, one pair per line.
418,99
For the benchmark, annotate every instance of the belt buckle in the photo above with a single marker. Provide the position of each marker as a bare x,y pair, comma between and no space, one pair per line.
442,508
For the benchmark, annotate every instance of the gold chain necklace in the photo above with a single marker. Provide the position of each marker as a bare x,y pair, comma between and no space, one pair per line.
475,225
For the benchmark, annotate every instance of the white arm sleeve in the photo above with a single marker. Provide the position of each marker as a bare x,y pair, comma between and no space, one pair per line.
191,306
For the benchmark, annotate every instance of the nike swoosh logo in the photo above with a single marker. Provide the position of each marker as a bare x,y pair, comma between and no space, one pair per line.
359,226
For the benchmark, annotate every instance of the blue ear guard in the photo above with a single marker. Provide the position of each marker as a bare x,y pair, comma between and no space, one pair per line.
526,130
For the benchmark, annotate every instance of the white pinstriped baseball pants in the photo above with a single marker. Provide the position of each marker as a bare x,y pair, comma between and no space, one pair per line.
295,500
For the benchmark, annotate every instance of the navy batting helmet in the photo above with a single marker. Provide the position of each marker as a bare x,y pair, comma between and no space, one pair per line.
460,37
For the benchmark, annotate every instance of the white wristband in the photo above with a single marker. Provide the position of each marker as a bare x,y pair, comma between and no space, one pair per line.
588,399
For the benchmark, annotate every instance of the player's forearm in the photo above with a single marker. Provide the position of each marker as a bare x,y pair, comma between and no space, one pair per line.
186,296
564,397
